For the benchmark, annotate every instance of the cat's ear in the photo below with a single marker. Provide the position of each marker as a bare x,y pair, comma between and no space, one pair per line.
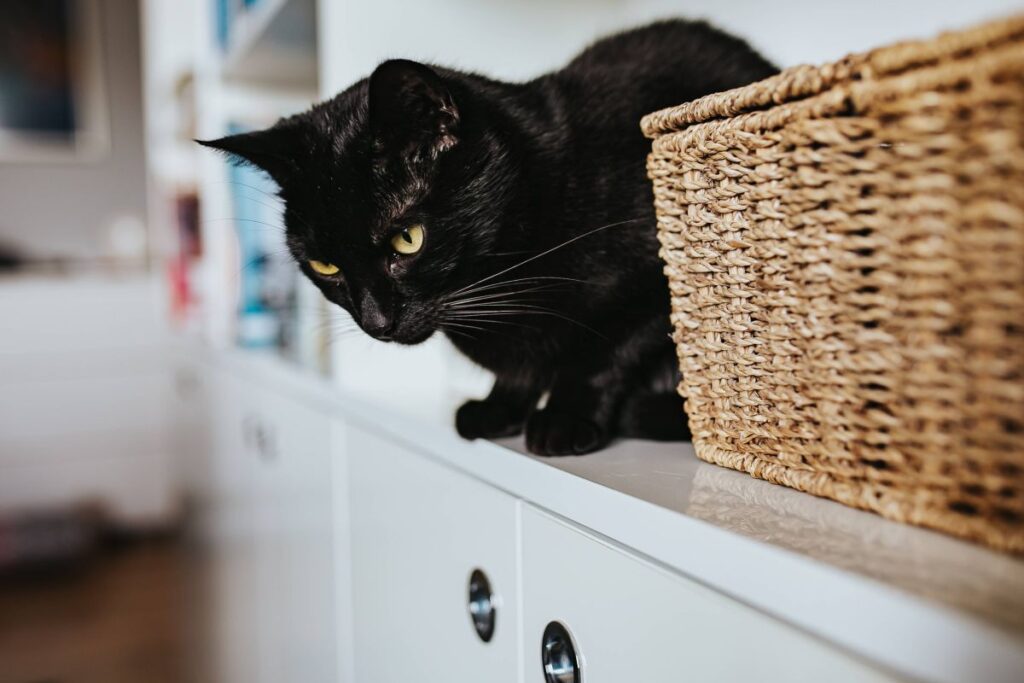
412,111
274,150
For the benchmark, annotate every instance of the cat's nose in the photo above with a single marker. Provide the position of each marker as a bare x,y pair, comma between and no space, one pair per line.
374,320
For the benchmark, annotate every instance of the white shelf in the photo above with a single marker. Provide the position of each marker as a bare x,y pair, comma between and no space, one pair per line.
274,43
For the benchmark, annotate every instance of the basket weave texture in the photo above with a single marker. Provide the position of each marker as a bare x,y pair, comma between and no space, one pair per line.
845,250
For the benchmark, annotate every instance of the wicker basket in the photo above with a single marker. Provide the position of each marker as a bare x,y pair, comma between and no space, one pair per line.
845,249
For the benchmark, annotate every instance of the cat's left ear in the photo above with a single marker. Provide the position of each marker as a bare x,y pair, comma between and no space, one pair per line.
412,111
274,150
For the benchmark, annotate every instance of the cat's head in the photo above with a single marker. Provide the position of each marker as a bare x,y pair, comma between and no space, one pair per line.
393,193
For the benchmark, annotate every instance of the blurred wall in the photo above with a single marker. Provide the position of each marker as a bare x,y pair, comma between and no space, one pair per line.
522,38
70,208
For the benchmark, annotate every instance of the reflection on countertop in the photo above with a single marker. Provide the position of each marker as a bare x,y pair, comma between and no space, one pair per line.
954,573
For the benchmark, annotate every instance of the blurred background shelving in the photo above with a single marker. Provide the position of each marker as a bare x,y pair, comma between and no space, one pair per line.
247,65
272,42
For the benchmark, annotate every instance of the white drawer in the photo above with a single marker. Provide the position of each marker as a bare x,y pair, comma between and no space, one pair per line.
418,530
292,507
631,620
268,517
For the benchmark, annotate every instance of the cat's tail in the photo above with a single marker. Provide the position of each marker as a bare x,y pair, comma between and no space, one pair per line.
656,416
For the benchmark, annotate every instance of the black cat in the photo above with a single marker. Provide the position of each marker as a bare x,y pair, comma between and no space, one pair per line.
514,217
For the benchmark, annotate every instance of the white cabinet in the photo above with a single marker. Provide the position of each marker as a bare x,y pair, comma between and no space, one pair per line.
229,535
298,511
89,426
630,620
85,389
188,420
268,527
344,547
418,531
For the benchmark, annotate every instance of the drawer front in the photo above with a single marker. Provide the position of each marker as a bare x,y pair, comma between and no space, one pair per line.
268,517
630,620
292,485
189,427
228,526
418,531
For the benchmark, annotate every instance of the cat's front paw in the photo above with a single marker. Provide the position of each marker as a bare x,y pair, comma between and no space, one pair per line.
551,432
487,420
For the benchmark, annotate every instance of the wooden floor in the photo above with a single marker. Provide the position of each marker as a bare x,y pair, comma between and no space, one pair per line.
119,619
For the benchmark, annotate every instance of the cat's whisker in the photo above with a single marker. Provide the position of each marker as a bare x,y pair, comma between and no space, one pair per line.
332,325
548,251
272,196
470,314
308,308
339,335
480,319
502,310
463,325
532,279
509,253
466,291
336,323
248,187
528,292
274,226
466,330
253,261
500,296
500,306
450,330
273,207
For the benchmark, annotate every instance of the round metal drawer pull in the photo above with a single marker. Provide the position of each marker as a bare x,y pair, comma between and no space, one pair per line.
558,655
482,609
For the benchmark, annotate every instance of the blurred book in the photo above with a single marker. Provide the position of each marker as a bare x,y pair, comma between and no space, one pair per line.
222,12
277,307
258,230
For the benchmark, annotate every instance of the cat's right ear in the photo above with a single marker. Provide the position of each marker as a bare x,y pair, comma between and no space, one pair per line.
274,150
412,112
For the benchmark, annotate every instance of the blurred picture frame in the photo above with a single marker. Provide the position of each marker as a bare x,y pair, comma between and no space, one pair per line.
53,100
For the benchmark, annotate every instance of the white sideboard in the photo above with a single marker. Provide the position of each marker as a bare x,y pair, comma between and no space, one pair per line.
85,391
344,533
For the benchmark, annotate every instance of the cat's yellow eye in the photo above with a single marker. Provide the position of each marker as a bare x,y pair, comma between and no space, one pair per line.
324,268
409,241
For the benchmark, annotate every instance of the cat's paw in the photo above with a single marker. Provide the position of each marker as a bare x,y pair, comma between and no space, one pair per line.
551,432
487,420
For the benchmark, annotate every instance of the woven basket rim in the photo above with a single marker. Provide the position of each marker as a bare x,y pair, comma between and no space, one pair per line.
842,99
804,81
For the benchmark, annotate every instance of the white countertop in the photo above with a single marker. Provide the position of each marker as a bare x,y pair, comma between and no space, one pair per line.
883,590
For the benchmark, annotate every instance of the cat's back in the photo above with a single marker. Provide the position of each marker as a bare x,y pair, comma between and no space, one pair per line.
658,65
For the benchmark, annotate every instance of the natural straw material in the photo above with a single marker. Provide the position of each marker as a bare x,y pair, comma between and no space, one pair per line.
845,250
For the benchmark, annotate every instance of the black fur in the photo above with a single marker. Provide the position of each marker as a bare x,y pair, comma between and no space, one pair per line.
540,260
